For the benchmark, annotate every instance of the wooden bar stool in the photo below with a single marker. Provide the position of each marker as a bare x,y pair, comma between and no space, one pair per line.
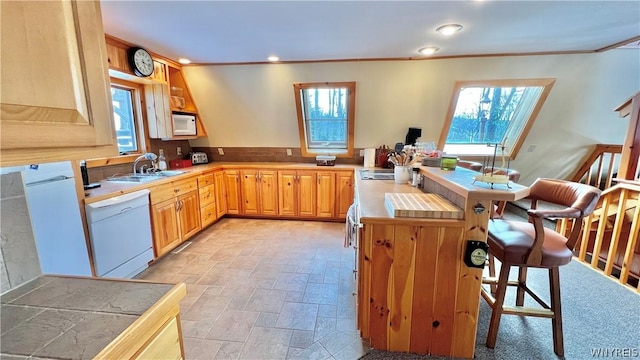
529,244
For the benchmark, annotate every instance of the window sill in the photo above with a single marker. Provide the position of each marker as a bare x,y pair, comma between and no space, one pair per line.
115,160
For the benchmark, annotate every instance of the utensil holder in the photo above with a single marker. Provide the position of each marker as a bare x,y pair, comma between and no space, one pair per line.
401,174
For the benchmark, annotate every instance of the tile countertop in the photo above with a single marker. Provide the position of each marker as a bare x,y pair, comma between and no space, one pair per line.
71,317
110,189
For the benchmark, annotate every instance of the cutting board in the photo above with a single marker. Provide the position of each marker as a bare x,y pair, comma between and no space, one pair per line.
431,206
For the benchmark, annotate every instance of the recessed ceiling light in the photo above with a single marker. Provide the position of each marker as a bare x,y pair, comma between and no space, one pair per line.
449,29
273,58
184,61
429,50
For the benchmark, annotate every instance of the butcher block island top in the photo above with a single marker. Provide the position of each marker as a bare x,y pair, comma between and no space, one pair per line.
431,206
60,317
415,292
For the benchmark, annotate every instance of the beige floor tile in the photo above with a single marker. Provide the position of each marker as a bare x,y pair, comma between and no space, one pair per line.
229,350
267,343
321,294
261,289
233,325
201,348
291,282
314,352
264,300
298,316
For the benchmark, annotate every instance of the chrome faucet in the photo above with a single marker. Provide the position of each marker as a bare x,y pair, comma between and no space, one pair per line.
148,156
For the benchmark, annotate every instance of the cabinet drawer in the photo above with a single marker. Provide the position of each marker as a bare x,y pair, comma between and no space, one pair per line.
168,191
166,345
208,214
205,180
207,195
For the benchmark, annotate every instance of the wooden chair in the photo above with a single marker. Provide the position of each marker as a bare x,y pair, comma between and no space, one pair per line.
529,244
471,165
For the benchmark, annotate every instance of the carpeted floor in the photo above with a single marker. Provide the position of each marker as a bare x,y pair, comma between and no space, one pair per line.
600,319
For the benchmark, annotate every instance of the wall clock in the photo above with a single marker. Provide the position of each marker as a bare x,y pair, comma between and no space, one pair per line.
140,61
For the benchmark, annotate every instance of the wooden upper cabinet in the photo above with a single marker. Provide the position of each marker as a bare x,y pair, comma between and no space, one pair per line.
55,87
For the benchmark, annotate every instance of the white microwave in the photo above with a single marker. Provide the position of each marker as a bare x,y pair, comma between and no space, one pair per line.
184,124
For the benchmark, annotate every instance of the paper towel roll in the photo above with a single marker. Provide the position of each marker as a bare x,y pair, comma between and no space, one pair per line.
369,157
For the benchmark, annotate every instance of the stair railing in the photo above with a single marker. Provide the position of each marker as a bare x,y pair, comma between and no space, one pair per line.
618,206
599,167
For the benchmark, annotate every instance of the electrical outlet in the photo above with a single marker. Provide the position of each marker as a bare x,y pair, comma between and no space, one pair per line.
361,152
179,150
531,148
289,152
220,151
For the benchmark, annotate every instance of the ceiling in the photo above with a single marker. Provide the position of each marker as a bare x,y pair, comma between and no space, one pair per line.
304,30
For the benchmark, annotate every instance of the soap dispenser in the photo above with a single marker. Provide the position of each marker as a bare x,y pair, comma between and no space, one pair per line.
162,161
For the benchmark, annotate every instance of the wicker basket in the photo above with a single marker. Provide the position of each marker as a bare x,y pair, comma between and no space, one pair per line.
432,162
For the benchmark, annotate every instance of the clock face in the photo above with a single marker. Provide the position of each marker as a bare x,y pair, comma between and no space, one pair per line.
141,62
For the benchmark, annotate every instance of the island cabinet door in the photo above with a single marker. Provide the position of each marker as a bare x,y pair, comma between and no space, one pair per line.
410,281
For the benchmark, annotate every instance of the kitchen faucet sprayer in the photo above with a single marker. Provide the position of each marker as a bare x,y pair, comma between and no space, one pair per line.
148,156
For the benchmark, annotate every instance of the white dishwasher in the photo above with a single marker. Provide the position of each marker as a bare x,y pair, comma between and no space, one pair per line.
120,229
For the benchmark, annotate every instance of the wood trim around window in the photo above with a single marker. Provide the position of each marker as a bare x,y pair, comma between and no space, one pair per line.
144,142
351,105
545,83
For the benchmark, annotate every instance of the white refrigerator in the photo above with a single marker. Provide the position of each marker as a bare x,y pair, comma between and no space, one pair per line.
55,217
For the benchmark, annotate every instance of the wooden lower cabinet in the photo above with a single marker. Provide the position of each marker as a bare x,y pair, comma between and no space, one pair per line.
189,214
232,186
207,194
326,194
407,285
344,193
175,214
221,193
297,193
166,234
259,192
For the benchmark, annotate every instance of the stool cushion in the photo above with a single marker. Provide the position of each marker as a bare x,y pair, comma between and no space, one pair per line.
510,242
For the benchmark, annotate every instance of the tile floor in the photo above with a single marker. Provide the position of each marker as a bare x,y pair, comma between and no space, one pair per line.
266,289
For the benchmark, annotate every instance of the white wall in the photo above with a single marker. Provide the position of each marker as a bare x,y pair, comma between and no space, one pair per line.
253,105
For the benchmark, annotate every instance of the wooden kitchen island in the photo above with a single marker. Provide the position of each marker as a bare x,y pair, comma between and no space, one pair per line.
415,293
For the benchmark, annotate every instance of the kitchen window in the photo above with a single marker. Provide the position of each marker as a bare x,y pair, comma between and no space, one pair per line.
326,118
126,115
486,114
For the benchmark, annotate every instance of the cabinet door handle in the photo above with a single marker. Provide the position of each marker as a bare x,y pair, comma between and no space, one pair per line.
318,180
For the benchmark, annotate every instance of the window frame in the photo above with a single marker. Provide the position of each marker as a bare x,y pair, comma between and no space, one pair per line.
305,150
515,145
140,120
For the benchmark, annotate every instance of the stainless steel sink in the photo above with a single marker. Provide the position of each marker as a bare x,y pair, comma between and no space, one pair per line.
376,174
141,178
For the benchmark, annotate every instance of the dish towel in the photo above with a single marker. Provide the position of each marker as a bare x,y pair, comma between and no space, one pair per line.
351,227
